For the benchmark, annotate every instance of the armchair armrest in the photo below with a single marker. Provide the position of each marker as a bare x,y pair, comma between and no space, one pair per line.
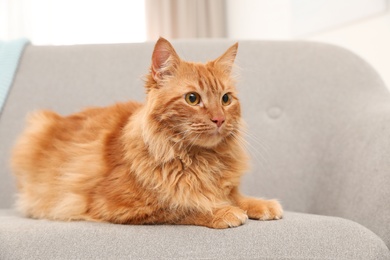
359,157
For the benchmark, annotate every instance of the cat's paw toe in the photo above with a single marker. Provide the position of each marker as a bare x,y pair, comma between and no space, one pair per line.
229,217
266,210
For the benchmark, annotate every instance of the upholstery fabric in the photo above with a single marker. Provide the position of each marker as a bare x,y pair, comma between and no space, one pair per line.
318,123
297,236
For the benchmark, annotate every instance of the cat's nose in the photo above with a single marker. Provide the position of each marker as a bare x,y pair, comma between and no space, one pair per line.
218,120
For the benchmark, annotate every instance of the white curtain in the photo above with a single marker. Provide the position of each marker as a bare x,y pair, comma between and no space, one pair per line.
185,18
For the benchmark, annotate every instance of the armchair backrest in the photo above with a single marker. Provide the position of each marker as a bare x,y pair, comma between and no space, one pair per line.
303,102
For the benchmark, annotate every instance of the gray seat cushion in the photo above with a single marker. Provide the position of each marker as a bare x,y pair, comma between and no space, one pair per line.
297,236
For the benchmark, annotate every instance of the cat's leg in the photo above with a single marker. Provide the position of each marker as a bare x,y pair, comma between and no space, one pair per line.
224,217
257,208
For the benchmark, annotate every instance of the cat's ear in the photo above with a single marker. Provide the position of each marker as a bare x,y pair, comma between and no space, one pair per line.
164,60
226,60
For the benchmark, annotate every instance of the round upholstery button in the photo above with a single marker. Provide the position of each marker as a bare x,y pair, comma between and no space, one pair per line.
274,112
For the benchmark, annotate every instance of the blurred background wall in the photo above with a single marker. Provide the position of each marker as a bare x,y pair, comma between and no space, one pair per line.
362,26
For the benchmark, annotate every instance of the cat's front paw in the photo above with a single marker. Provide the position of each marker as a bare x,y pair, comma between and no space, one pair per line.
229,217
264,209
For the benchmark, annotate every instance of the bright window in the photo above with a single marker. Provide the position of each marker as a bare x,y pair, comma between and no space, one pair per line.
73,21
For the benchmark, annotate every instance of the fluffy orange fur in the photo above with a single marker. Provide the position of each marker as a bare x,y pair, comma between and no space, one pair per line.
177,159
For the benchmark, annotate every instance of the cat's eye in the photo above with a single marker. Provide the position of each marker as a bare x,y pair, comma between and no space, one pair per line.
226,99
192,98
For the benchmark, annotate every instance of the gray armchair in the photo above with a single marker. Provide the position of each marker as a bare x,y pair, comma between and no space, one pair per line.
319,135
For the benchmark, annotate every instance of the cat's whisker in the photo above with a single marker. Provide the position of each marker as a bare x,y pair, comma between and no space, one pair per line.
258,156
181,124
253,155
176,133
255,148
194,140
184,133
241,143
200,127
255,139
258,142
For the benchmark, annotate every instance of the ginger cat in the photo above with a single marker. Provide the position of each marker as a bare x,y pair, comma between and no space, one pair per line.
177,159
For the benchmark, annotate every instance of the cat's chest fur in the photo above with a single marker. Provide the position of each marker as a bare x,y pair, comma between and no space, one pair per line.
199,178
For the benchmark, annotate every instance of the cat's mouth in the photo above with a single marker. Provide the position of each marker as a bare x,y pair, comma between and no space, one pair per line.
217,131
208,135
209,130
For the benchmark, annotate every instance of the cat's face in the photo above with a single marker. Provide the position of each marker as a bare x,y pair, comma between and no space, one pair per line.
195,103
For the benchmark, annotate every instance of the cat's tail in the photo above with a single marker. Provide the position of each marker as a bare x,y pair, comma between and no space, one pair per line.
36,136
27,154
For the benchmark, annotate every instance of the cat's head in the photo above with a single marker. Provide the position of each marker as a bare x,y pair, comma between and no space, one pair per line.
193,104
